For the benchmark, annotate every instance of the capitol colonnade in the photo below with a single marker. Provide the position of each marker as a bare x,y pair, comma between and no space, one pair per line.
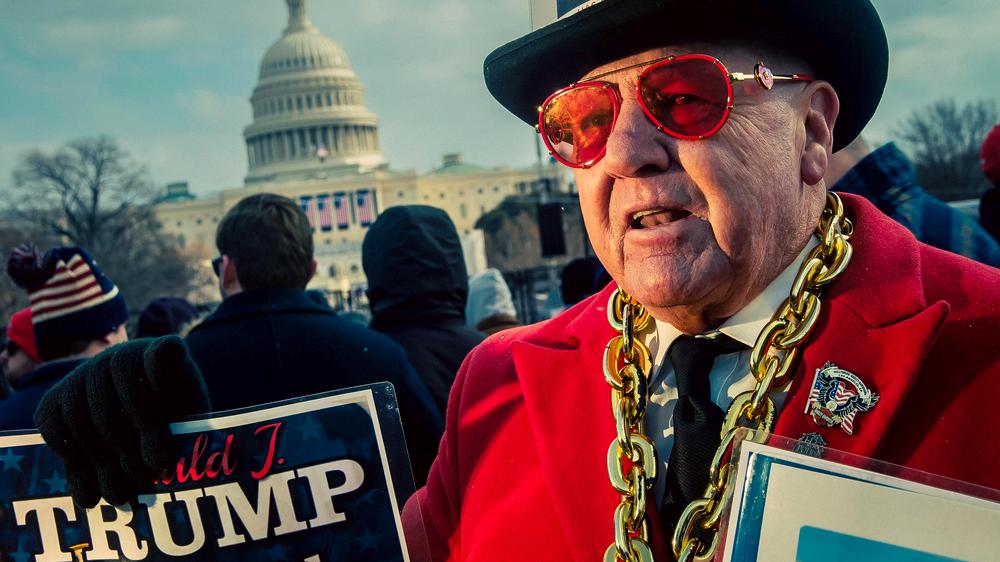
307,143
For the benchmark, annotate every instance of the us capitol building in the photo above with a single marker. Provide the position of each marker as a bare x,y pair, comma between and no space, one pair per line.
313,140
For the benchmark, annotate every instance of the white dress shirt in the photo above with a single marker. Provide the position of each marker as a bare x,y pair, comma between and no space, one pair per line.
730,373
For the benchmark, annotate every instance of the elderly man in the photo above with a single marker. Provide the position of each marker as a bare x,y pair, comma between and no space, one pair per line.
699,133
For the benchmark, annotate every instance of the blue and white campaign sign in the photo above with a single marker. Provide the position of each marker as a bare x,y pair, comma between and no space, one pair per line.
789,506
300,480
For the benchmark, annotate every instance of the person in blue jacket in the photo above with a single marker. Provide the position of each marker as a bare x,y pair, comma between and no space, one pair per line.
886,177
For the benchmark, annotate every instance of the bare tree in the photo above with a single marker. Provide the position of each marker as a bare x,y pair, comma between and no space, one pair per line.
83,192
90,193
943,140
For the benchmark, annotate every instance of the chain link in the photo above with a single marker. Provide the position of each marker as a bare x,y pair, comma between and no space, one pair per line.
632,457
696,536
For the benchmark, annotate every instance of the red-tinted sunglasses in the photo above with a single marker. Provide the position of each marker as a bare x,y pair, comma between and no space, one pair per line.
686,96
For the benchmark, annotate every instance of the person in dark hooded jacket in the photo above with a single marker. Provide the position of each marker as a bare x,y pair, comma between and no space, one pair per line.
417,288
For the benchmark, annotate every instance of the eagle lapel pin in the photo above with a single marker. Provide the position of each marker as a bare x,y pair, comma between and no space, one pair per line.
837,396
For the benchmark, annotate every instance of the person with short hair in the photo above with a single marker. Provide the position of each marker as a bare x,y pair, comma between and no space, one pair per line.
270,340
271,237
699,134
76,312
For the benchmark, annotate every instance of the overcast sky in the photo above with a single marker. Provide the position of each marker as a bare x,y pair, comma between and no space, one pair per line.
171,80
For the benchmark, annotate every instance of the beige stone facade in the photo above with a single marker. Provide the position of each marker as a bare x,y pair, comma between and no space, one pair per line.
465,194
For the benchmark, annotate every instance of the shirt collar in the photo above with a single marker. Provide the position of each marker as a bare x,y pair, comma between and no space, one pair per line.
747,323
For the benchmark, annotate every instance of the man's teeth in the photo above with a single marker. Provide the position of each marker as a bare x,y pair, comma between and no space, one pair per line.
656,217
641,214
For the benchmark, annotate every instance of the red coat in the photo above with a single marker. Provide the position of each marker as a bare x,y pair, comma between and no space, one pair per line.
521,472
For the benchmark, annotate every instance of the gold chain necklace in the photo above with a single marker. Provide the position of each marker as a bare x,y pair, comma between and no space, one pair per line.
632,460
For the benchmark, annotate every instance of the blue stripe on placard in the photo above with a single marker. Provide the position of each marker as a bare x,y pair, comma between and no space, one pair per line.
820,545
563,6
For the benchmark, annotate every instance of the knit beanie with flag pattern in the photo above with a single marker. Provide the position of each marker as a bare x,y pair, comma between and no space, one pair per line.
71,298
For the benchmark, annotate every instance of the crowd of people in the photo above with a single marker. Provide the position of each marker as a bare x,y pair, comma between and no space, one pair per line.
704,214
270,338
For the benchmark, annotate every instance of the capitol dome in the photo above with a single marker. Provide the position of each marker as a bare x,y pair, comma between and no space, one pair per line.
302,47
310,120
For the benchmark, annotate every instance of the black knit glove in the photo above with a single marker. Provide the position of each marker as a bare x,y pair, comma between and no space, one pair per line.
108,419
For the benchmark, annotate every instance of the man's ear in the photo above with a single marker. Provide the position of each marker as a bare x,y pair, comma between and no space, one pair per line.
230,280
821,109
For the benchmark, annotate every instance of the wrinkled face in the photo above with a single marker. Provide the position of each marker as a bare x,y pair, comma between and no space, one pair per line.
702,225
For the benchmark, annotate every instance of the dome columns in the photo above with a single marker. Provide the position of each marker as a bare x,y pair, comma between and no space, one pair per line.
304,143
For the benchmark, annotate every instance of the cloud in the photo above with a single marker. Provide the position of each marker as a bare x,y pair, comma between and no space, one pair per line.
934,46
209,162
451,18
937,50
440,19
137,34
376,12
209,106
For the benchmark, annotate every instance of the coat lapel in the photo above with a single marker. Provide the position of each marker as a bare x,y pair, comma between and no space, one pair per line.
886,359
875,324
569,406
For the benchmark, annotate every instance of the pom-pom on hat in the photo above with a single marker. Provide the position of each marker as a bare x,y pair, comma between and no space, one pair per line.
989,154
71,298
19,331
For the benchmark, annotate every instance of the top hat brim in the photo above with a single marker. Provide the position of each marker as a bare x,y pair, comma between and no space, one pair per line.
843,42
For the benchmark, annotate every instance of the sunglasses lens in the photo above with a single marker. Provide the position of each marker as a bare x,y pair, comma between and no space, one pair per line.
576,123
687,97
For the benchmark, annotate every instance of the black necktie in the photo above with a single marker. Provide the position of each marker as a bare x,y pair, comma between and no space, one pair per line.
697,422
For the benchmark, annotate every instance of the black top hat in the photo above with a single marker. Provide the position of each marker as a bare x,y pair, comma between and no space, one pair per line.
842,40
